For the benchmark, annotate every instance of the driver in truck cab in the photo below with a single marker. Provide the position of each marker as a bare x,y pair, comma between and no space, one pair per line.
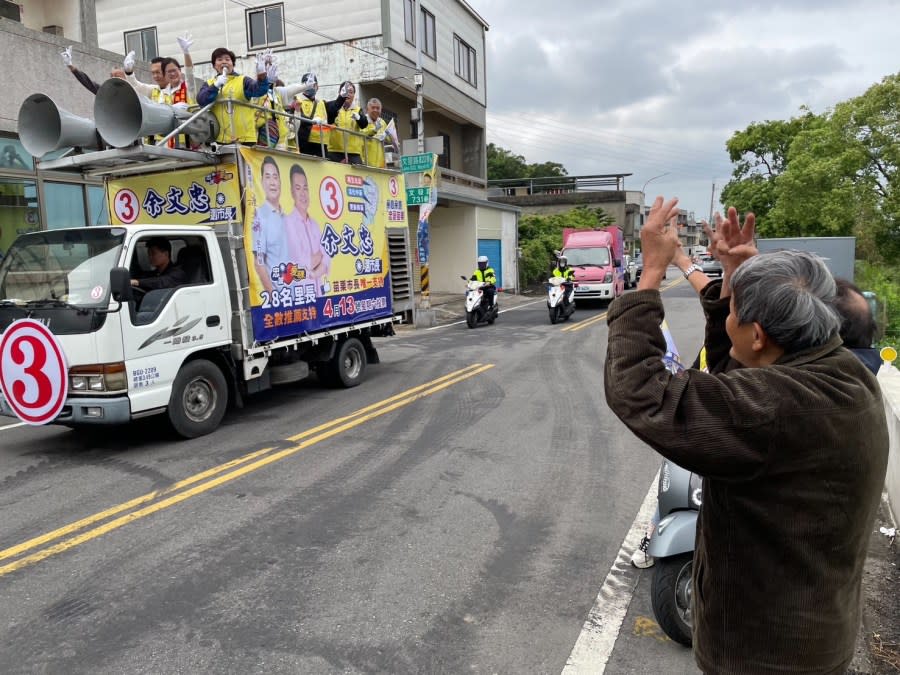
165,274
486,274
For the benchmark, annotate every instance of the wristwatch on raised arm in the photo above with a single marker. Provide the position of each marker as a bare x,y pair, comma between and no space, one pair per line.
690,270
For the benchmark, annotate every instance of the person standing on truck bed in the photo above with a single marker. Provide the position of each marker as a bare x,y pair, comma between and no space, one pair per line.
165,274
344,147
269,245
240,126
86,81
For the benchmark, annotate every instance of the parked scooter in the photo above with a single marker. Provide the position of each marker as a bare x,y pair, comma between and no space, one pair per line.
560,298
672,547
476,310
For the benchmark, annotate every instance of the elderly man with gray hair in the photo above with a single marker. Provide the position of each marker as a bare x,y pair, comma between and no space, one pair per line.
788,430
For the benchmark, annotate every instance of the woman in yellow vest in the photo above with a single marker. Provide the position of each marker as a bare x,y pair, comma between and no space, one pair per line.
345,147
239,127
313,131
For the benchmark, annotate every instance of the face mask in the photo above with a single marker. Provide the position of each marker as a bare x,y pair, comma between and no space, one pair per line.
309,93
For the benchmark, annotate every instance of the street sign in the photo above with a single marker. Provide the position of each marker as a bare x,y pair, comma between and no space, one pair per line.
417,196
33,373
417,163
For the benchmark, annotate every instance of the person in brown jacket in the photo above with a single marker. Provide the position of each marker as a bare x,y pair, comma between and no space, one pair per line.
792,444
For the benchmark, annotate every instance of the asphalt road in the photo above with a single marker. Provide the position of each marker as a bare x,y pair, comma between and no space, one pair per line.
444,516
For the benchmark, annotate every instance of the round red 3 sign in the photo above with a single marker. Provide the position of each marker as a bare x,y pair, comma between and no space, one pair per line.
33,372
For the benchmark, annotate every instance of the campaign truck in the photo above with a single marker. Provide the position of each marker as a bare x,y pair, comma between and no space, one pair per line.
278,267
597,256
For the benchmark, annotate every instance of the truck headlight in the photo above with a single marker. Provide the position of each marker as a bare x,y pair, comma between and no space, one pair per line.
100,377
608,278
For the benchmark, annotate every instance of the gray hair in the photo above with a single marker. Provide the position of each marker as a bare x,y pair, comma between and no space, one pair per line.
373,100
790,294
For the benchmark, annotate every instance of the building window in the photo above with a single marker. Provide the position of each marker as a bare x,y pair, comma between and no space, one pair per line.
18,210
265,26
64,204
143,43
429,46
409,26
464,62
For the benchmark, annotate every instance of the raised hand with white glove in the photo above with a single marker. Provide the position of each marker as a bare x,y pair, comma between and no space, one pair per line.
261,63
272,72
67,56
128,63
185,42
222,79
355,116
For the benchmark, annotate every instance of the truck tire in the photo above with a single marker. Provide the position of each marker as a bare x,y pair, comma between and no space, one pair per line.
349,363
199,399
670,595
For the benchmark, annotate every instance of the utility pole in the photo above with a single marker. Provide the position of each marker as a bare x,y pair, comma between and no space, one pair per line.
712,199
420,104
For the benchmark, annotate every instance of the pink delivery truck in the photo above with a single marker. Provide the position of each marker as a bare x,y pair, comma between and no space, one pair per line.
597,256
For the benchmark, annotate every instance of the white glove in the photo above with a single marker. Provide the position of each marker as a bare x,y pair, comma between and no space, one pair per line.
343,92
379,136
185,43
318,120
128,63
355,116
67,56
260,63
222,79
272,72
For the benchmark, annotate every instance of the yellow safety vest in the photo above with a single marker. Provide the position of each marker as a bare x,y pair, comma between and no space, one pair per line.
319,133
244,118
374,155
273,100
344,120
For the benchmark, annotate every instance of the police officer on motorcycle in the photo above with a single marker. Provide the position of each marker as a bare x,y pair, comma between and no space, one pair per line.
486,274
568,274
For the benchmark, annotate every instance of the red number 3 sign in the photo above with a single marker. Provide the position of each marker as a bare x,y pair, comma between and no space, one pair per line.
33,373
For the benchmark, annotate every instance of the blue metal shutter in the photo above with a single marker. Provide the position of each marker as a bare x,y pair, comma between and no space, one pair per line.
491,248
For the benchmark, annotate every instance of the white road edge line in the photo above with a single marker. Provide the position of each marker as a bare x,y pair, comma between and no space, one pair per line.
598,636
11,426
502,311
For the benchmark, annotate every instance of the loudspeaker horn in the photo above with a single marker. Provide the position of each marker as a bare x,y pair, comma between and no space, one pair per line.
45,127
123,116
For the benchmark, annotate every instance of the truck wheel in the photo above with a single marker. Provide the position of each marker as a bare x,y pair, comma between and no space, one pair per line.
199,399
670,594
349,363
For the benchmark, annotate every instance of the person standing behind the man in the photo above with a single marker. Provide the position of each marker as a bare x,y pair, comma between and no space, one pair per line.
86,81
312,135
789,493
240,126
375,128
269,242
304,238
858,327
345,147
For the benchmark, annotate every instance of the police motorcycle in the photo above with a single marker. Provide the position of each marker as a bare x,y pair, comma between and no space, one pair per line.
560,298
672,548
476,310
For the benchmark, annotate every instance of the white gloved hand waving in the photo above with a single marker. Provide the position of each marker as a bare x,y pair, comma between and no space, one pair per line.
272,72
128,63
67,56
260,63
185,42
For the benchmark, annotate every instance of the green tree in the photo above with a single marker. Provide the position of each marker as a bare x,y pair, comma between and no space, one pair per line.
540,236
760,156
841,177
501,164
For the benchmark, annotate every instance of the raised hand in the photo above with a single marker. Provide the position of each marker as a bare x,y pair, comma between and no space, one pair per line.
67,56
659,241
185,42
128,63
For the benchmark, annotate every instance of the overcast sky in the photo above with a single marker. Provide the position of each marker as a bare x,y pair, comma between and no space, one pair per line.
658,86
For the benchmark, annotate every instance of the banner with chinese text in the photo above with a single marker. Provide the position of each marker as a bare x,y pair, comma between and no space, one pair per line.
200,196
316,242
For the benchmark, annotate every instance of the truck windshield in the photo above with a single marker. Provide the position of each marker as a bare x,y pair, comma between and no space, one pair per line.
588,256
61,267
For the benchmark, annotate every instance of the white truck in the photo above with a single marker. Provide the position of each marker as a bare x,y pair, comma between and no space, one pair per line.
265,294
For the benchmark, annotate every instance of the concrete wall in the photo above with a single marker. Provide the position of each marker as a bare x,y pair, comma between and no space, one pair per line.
889,377
25,50
453,235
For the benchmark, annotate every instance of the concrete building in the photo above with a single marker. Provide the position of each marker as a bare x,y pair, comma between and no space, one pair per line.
374,44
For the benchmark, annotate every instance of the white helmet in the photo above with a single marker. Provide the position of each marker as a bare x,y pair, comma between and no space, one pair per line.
482,262
482,258
562,261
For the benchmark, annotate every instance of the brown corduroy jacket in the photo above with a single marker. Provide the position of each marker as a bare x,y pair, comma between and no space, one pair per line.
793,457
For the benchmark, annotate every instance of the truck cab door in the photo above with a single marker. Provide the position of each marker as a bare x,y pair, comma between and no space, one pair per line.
163,326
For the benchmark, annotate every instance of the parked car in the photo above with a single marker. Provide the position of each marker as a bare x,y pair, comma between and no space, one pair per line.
639,267
710,266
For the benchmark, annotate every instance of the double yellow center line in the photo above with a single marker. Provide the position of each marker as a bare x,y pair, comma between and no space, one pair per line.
95,525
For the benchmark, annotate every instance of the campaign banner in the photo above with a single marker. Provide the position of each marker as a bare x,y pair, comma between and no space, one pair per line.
315,237
199,196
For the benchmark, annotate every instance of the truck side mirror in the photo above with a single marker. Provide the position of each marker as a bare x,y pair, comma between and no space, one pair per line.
120,284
